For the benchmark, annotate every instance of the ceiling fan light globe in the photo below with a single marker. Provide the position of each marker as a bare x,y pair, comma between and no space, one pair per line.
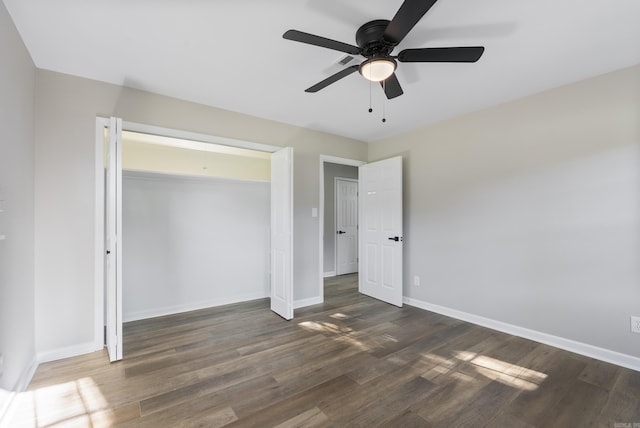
377,69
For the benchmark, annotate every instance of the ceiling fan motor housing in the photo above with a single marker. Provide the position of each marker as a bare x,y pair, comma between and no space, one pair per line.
370,39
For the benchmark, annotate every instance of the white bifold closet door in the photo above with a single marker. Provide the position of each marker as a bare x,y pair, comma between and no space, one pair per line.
113,239
282,232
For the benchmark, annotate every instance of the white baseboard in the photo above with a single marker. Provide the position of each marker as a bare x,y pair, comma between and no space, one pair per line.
66,352
328,274
587,350
26,376
307,302
159,312
170,310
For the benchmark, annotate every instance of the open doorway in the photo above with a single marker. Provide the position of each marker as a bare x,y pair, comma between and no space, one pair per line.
195,225
338,217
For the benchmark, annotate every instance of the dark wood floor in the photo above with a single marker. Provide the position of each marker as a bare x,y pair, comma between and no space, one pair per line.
353,361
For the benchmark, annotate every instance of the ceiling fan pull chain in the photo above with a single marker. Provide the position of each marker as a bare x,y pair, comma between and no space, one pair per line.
370,83
384,101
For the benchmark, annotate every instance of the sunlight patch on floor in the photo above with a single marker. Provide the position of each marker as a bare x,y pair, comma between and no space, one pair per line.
324,327
75,403
507,373
496,370
340,316
359,339
439,366
504,372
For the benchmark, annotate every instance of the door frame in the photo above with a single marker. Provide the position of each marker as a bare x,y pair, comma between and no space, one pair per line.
335,216
341,161
99,205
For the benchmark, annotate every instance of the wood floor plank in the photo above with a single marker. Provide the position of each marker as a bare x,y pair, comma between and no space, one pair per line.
304,378
292,406
275,340
449,398
195,390
312,418
534,406
116,416
214,419
503,419
480,409
619,409
214,401
369,368
406,419
629,384
582,406
393,402
350,361
372,391
600,374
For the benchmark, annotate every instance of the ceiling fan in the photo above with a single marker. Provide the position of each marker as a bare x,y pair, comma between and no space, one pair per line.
377,39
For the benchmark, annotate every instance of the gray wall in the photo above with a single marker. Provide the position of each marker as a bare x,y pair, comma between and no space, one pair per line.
17,89
331,171
66,108
529,213
192,242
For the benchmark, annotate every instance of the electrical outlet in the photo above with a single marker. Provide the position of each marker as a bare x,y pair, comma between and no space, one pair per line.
635,324
416,280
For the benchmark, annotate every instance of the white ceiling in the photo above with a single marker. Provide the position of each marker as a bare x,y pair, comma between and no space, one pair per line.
230,53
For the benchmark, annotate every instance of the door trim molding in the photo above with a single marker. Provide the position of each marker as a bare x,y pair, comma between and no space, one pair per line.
195,136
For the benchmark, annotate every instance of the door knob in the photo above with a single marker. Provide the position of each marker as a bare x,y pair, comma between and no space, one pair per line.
395,238
340,232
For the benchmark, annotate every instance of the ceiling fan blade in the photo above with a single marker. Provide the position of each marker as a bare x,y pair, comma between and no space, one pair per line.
332,79
458,54
312,39
405,19
392,87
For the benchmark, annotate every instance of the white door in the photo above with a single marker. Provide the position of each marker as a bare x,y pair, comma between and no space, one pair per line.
346,192
113,239
282,232
380,202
